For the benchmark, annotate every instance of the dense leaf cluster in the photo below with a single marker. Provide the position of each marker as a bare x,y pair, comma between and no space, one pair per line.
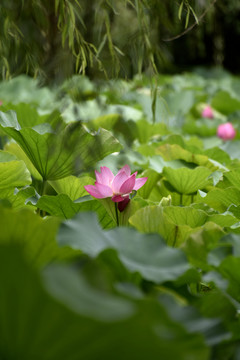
165,283
55,39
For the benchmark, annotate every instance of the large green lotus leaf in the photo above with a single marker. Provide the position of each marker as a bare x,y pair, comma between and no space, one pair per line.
234,177
17,198
34,234
234,210
60,154
15,149
187,181
152,219
218,154
191,151
164,189
151,149
78,321
146,254
14,173
62,206
72,186
174,151
225,103
224,220
185,216
220,199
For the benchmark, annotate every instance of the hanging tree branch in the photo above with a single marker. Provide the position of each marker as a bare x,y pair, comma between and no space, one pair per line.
197,21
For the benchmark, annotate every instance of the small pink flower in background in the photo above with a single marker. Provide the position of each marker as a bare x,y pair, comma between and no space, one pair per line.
226,131
117,187
1,102
208,112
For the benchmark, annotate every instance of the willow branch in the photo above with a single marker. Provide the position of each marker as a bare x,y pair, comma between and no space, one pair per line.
194,24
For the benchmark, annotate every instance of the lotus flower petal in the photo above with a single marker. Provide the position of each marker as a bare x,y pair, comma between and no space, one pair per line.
119,179
104,190
139,183
117,187
105,176
125,169
128,185
92,190
208,112
117,198
226,131
123,204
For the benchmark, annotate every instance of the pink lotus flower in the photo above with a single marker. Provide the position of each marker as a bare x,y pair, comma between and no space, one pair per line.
226,131
117,187
208,112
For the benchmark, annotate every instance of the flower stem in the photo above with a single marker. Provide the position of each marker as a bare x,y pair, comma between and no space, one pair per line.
42,189
116,212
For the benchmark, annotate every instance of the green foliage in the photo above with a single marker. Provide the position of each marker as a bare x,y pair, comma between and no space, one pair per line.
55,39
60,153
166,280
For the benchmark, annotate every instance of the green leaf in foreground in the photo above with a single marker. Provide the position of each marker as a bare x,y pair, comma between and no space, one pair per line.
71,326
13,173
146,254
37,236
60,153
15,149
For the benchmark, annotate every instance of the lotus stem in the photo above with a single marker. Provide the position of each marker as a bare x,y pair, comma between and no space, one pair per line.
116,212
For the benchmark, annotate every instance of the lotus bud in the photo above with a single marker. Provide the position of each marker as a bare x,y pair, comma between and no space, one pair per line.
207,112
226,131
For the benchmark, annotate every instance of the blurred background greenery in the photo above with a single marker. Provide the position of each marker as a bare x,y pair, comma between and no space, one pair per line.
56,39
